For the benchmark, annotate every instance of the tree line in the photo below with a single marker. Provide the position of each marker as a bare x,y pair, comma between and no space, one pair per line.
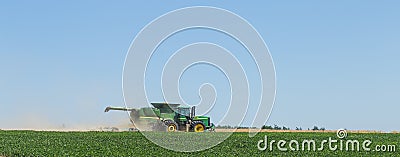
268,127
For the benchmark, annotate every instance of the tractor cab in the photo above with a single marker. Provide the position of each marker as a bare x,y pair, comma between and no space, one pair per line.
185,111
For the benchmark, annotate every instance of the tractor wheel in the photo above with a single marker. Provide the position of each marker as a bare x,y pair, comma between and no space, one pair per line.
198,126
171,126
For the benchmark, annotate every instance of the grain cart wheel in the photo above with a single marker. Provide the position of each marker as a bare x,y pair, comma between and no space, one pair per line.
198,126
171,126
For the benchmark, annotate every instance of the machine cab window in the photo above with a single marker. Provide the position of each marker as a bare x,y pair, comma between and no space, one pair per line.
184,111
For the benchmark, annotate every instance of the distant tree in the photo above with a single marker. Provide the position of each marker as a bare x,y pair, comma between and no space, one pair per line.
276,127
298,128
267,127
315,128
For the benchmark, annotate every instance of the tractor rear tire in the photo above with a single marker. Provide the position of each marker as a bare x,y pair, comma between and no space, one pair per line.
171,126
198,126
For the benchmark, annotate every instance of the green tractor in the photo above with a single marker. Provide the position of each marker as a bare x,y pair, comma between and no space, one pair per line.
168,117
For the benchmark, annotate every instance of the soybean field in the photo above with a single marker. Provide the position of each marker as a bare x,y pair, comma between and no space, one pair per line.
94,143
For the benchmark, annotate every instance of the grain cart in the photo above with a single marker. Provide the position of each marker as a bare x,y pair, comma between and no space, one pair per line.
167,116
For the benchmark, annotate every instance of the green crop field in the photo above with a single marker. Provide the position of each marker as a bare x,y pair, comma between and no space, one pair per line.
43,143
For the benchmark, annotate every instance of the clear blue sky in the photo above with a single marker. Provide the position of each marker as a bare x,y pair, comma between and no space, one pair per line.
337,63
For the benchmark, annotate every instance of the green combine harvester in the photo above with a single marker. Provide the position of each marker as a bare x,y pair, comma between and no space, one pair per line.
167,117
